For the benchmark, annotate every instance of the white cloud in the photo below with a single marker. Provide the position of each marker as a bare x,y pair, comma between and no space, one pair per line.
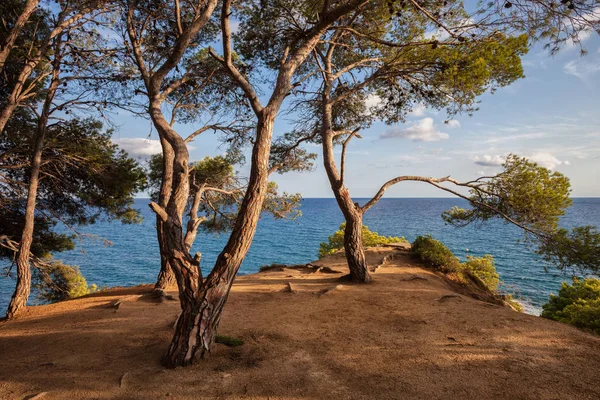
582,26
422,131
464,26
139,147
418,111
581,70
234,26
489,160
547,160
512,138
544,159
453,123
372,100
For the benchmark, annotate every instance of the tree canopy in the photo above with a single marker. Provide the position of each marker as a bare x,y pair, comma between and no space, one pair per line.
84,176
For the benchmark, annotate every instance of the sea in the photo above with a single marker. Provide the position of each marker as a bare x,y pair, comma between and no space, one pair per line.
132,258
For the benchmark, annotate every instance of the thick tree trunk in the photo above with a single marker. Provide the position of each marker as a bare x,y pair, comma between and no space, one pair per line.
201,311
354,250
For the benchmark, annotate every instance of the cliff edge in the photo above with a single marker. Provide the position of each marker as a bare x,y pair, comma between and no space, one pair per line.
307,335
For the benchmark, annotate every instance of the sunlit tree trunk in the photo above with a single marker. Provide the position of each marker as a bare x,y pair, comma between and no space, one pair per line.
202,305
353,245
166,277
7,45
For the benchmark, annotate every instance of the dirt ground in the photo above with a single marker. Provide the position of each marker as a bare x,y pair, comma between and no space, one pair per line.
408,335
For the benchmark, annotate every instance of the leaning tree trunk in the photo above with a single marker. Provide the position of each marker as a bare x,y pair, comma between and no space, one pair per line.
166,276
13,33
353,244
18,302
201,309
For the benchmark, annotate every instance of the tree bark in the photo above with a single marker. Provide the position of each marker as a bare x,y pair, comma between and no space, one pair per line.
18,302
14,32
353,245
201,310
166,277
354,249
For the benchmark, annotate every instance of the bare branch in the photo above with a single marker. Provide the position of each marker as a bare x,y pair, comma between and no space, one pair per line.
343,157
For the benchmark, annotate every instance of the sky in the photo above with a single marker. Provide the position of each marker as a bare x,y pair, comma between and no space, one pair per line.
552,116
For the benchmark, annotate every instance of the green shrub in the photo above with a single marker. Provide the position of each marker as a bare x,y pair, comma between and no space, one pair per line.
577,304
370,239
59,281
434,253
512,302
229,341
484,269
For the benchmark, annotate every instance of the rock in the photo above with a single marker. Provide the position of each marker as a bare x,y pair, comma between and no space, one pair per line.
161,295
48,364
332,289
327,270
415,278
289,288
37,396
448,297
122,380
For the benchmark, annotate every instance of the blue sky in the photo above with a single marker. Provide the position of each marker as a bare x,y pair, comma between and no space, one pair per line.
552,116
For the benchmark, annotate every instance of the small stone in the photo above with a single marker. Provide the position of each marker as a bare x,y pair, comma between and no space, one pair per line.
37,396
448,297
122,380
289,288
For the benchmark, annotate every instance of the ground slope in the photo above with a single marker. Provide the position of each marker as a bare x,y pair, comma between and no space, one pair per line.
408,335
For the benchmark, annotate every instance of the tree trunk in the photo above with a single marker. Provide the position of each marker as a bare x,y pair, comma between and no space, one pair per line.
201,311
6,113
9,41
166,277
353,245
18,302
354,250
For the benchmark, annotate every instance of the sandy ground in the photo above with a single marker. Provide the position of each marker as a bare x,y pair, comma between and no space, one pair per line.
406,336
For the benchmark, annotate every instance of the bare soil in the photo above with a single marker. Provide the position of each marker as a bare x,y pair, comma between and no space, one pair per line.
308,335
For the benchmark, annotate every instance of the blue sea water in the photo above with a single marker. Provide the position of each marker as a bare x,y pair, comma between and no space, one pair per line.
133,256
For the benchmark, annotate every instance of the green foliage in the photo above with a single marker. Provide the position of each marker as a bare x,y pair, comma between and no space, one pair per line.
528,194
577,304
58,281
578,249
229,341
83,177
533,198
370,239
213,171
282,206
508,298
433,253
484,269
221,191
